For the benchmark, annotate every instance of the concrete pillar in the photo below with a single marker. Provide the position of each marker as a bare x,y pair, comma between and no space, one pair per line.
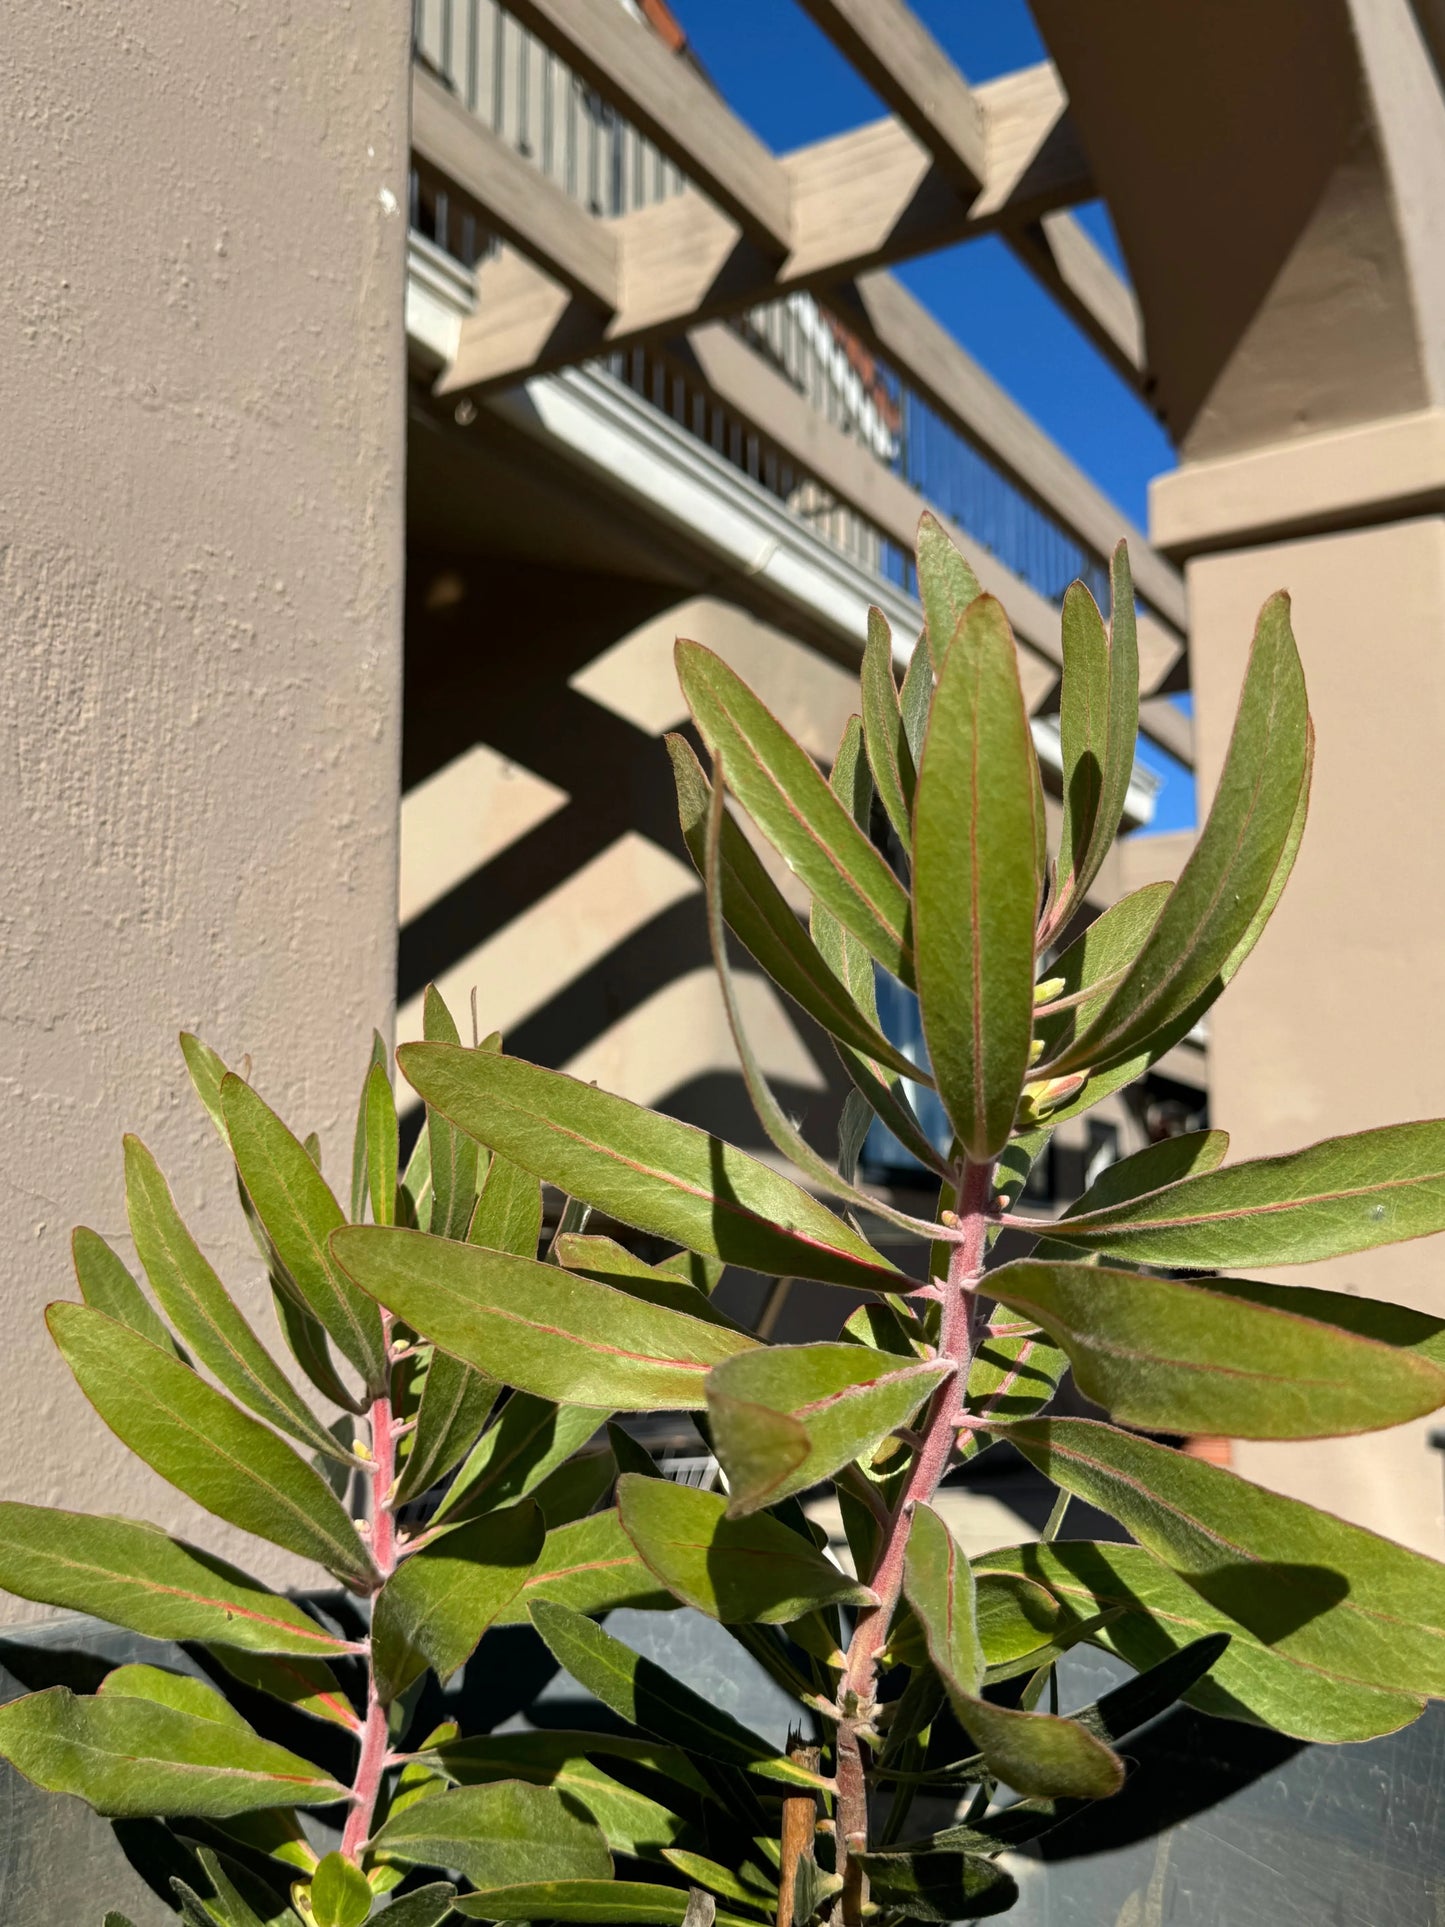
202,248
1333,1025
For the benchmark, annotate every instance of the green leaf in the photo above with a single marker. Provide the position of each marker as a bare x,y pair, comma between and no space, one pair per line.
204,1313
698,1269
938,1886
435,1607
946,587
576,1486
1234,862
642,1693
591,1566
307,1684
741,1571
916,697
1099,723
785,1417
1397,1325
786,795
1151,1614
721,1880
294,1203
774,1120
360,1164
423,1907
226,1461
544,1330
508,1214
454,1169
530,1438
1096,963
1313,1588
600,1903
1172,1158
340,1893
1013,1372
1030,1752
975,885
610,1264
854,1123
183,1692
499,1834
383,1153
648,1171
133,1759
306,1341
1167,1356
107,1286
759,914
631,1822
134,1576
884,738
1344,1195
206,1071
455,1403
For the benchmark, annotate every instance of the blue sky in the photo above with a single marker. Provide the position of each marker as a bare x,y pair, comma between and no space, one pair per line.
789,83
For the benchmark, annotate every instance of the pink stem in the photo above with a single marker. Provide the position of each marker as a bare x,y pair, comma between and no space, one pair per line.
860,1675
366,1787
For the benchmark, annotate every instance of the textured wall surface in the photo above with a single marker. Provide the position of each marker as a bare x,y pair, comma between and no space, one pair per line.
202,391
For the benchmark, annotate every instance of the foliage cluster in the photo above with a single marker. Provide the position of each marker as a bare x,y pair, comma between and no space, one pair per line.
479,1385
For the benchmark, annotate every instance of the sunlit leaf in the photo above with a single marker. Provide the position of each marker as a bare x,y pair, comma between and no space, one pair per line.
527,1441
453,1155
592,1566
627,1903
107,1286
946,586
382,1151
884,737
500,1834
435,1607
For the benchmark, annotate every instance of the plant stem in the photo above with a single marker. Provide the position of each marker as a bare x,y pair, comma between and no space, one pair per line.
860,1675
366,1787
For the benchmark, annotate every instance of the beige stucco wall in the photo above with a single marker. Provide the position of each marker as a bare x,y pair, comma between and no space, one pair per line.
201,386
1334,1024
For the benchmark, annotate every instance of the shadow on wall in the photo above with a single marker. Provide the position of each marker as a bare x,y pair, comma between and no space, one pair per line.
542,863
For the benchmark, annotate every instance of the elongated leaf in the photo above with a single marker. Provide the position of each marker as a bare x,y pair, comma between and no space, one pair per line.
946,587
592,1566
1315,1589
757,911
360,1163
975,886
786,795
1396,1325
423,1907
610,1264
181,1691
1030,1752
295,1205
226,1461
915,698
631,1822
508,1214
1233,864
704,1272
1096,962
382,1151
722,1880
135,1576
645,1170
206,1071
107,1286
340,1893
573,1490
1151,1614
453,1154
1013,1373
437,1604
642,1693
1168,1356
629,1903
939,1886
1189,1155
1099,723
779,1127
306,1341
307,1684
546,1331
502,1833
741,1571
204,1313
1343,1195
884,738
131,1758
785,1417
530,1438
414,1197
455,1402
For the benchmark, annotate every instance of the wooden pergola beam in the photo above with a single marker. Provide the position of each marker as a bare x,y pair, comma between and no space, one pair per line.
905,66
858,201
1061,254
746,384
898,327
674,106
521,203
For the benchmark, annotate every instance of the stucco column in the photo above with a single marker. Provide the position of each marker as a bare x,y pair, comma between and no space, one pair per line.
1334,1025
202,247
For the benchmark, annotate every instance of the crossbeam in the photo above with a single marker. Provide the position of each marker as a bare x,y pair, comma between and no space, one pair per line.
858,200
